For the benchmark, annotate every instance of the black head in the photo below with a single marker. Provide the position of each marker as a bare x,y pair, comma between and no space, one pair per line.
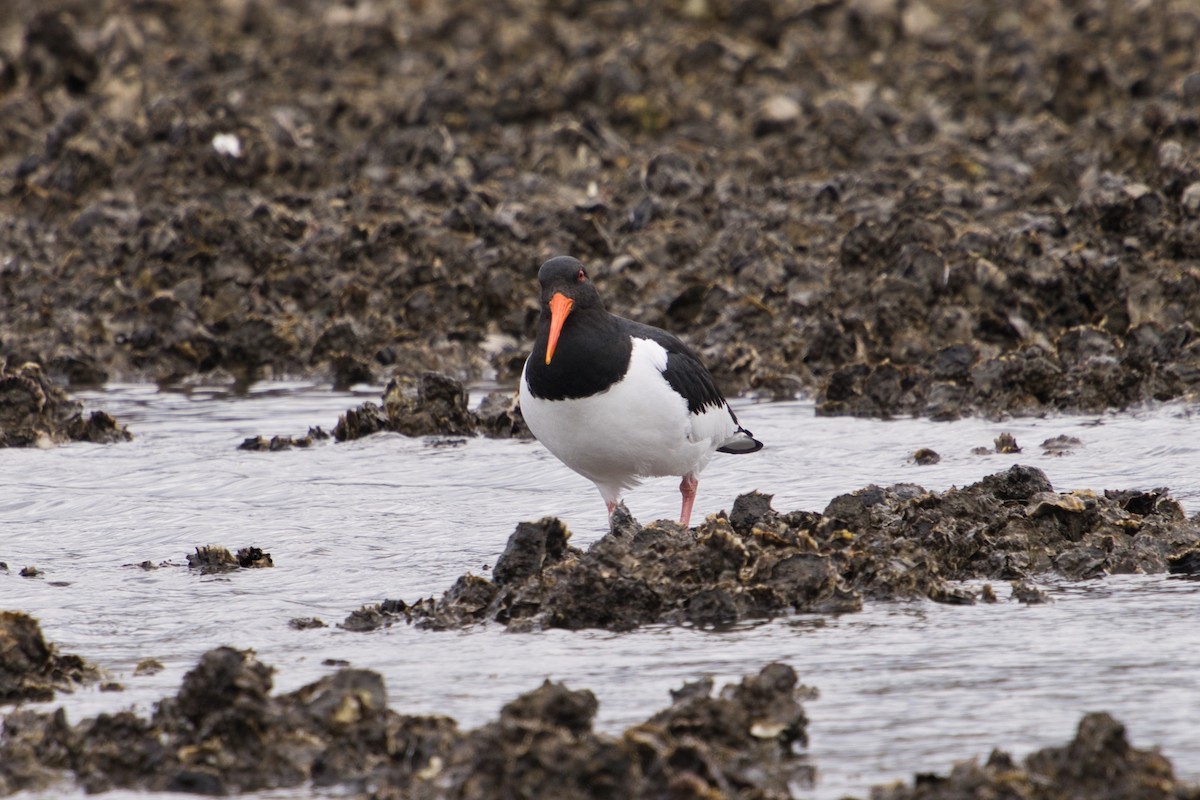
566,276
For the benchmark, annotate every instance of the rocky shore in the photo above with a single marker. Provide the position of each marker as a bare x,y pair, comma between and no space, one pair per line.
899,542
897,208
224,732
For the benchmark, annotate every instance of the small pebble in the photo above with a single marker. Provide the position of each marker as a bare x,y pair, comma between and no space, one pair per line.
1190,199
1025,592
306,623
1007,443
1060,445
925,456
148,666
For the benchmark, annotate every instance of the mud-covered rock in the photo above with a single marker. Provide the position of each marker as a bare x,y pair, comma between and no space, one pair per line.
1098,763
877,543
224,732
32,669
34,411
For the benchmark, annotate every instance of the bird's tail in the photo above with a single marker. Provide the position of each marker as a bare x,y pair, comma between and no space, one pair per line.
741,442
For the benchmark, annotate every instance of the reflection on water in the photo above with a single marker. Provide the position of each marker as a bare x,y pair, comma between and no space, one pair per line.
904,687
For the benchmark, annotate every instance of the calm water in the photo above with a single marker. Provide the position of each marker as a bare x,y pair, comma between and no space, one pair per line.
904,687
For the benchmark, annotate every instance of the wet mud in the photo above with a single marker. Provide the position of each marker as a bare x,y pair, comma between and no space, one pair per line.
898,542
896,208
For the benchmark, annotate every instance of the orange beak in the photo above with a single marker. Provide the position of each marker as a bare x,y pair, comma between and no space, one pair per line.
560,307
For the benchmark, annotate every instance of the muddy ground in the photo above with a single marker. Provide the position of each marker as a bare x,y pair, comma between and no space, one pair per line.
896,207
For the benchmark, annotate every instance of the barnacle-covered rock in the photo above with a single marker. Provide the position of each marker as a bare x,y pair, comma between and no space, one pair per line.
876,543
34,411
225,732
32,669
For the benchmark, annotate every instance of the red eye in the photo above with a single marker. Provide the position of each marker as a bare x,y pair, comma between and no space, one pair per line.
581,277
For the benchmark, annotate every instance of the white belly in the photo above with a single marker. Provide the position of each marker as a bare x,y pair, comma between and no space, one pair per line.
640,427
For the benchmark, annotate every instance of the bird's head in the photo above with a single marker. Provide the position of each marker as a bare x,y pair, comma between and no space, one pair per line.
565,288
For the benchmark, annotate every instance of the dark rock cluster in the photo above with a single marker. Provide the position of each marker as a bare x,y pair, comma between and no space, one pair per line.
1099,763
430,404
433,404
225,732
211,559
283,442
34,411
876,543
898,208
32,669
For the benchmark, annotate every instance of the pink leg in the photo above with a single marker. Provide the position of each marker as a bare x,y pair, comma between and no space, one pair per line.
610,504
687,488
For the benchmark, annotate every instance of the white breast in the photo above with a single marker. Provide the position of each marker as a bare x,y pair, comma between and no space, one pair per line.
639,427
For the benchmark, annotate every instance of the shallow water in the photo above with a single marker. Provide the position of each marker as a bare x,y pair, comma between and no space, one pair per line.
904,687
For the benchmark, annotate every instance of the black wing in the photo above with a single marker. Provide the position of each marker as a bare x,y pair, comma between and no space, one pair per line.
685,372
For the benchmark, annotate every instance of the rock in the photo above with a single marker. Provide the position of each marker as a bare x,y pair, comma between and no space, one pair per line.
276,443
36,412
1028,594
499,417
877,543
31,669
1098,763
777,113
1190,199
924,457
530,549
1007,443
922,180
224,732
1060,445
306,623
434,404
214,559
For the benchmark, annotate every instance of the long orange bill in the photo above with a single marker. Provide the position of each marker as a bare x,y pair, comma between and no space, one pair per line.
560,307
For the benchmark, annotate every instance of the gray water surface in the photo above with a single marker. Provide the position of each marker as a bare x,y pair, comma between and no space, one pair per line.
904,687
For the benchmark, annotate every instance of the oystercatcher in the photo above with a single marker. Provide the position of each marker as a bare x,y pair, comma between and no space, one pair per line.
616,400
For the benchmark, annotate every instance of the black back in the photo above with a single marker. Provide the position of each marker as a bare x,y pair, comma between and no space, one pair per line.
686,374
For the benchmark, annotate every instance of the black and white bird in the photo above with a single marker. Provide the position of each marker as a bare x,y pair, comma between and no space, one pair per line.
616,400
